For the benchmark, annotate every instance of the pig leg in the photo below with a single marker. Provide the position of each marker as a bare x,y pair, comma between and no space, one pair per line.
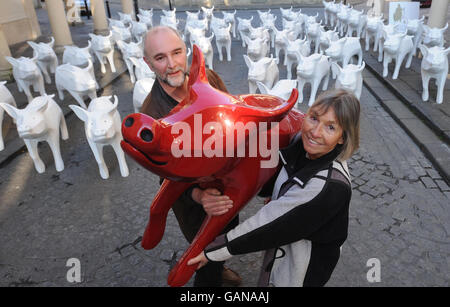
409,59
78,98
120,158
380,51
301,84
440,87
53,141
314,87
63,128
425,80
40,84
398,63
289,69
168,193
26,89
102,65
2,145
242,38
386,61
97,150
252,87
32,150
130,70
110,57
229,51
325,81
43,69
60,91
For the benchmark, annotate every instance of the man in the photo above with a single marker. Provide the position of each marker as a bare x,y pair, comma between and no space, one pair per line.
165,54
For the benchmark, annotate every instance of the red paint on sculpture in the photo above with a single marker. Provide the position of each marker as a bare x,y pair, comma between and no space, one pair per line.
150,143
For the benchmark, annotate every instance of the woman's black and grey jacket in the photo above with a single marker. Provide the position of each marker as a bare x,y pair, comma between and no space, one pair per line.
302,228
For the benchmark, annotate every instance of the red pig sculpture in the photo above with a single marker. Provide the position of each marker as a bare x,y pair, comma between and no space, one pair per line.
212,155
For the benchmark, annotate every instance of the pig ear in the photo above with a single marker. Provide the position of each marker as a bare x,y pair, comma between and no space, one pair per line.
336,68
446,51
42,104
33,45
361,68
12,111
52,42
444,28
115,104
423,49
263,88
12,60
248,61
197,73
211,37
80,112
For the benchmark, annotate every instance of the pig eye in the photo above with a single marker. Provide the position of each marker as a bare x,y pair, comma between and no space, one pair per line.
147,135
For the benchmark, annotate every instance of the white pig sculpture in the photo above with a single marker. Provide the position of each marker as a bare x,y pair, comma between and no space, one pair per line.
27,73
141,89
313,70
41,120
344,49
5,97
434,65
223,40
397,47
103,49
349,78
46,58
131,50
102,126
434,36
264,70
77,81
282,89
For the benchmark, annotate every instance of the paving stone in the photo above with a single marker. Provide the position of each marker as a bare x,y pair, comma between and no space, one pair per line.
428,182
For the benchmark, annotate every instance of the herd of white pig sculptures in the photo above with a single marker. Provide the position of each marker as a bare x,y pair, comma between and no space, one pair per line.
303,42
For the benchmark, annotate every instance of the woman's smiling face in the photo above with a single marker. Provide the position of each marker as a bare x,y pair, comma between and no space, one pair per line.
321,132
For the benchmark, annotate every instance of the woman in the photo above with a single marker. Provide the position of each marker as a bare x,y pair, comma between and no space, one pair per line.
304,225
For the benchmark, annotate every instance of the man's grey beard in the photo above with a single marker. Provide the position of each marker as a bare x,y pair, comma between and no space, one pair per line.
166,79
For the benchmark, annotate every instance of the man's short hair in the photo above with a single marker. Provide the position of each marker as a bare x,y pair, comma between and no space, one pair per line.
157,29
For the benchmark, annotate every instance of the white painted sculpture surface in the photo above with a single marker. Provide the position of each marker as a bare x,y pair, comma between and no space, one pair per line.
356,23
104,50
141,69
330,11
121,34
217,22
243,28
170,13
313,35
313,70
257,48
201,24
415,28
349,78
102,126
229,18
434,36
115,23
280,43
196,34
5,97
126,19
207,12
294,27
293,48
138,29
131,50
397,47
41,120
223,40
27,73
141,90
77,56
374,30
343,15
282,89
265,70
146,16
434,65
46,58
205,45
268,24
344,49
77,81
288,14
169,22
326,37
386,30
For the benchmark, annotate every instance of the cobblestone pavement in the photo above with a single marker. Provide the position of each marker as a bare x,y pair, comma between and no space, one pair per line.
399,211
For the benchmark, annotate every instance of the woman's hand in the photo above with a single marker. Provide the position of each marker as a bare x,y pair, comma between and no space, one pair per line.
212,201
200,259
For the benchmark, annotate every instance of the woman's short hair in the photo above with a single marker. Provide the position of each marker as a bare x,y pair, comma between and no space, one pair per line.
347,109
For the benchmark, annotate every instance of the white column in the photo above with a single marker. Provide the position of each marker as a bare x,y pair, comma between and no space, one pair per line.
127,7
58,23
99,16
5,67
438,14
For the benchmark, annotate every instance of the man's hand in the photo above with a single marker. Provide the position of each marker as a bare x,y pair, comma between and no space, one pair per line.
200,259
212,201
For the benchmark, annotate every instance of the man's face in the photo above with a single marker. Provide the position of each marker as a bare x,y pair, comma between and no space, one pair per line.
166,56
